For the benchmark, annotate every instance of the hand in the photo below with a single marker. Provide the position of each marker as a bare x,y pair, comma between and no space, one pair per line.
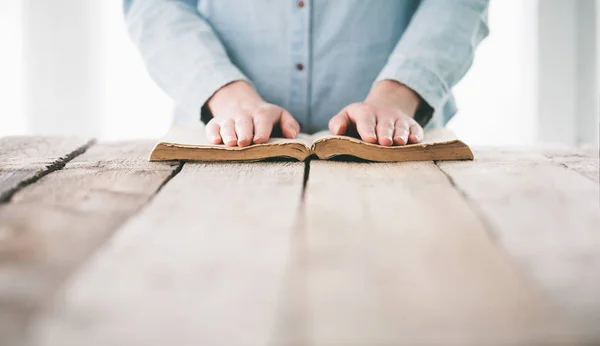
241,117
385,117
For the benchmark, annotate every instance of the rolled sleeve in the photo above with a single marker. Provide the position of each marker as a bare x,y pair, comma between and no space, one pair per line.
205,83
181,51
438,47
429,85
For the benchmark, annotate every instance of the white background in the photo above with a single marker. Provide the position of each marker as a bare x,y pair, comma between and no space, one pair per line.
498,99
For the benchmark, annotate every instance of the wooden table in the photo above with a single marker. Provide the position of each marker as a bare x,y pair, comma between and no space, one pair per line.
100,247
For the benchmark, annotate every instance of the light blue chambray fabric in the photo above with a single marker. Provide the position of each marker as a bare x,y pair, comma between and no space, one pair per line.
192,48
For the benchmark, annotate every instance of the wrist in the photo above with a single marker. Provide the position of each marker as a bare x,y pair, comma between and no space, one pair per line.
233,95
389,93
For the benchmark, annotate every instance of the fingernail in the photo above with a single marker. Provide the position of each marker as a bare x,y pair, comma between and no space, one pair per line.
230,139
404,138
337,129
294,133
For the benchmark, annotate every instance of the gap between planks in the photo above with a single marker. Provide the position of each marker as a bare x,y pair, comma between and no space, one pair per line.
26,175
335,271
202,255
304,284
584,161
395,256
544,215
51,225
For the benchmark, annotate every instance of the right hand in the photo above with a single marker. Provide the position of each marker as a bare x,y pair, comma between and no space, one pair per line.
241,117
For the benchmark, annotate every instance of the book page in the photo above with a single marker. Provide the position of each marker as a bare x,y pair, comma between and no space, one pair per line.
438,135
188,134
321,134
194,134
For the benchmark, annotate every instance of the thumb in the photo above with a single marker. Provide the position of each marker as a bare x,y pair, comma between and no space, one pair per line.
338,125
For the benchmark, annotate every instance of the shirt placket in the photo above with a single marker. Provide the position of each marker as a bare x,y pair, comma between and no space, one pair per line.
300,64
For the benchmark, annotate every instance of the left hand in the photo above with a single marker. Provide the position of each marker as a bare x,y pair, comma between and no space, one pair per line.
385,117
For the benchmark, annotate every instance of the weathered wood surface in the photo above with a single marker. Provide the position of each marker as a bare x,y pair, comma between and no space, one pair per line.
583,161
394,256
547,218
204,264
504,250
49,227
23,160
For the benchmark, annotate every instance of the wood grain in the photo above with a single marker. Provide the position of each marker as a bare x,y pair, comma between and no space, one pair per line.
50,226
583,161
547,218
203,264
500,251
23,160
394,256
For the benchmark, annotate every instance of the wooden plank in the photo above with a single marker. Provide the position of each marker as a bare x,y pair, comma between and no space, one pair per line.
203,264
394,256
50,226
546,216
23,160
583,161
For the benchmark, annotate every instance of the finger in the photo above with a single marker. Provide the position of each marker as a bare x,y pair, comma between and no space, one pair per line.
289,126
338,125
401,132
385,131
416,133
212,132
365,121
263,125
228,133
244,130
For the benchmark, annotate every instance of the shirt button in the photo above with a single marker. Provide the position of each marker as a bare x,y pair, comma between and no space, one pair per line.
300,3
299,67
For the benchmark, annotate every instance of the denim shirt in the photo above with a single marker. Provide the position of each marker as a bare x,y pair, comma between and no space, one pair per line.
312,57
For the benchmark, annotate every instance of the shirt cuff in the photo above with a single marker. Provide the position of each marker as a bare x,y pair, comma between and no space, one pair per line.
204,84
419,78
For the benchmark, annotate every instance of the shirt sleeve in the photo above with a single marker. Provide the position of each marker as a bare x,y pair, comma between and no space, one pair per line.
438,47
181,51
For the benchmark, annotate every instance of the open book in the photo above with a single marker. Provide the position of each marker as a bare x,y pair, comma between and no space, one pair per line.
189,142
